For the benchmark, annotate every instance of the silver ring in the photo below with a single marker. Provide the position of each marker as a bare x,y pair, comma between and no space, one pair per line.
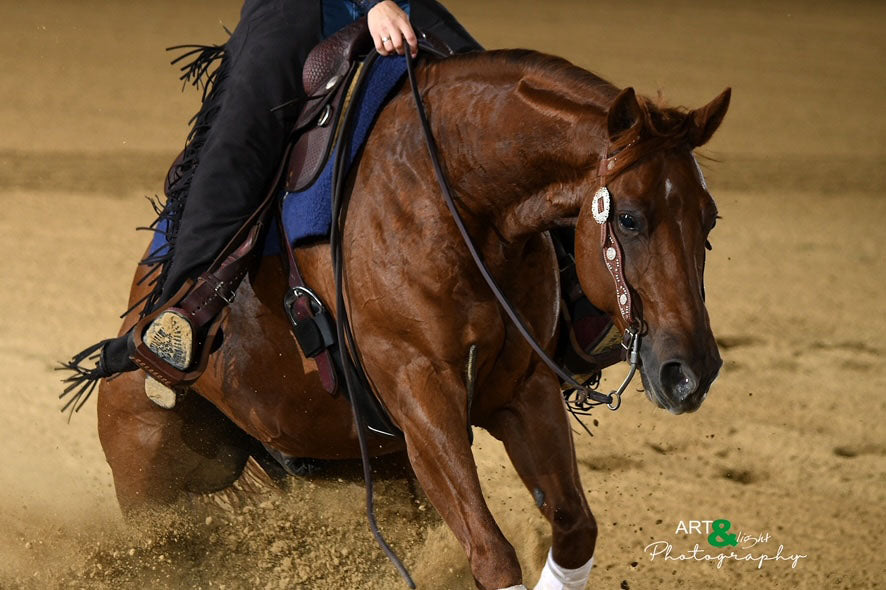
385,40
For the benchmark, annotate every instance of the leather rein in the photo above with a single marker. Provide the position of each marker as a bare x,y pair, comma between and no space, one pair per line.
579,397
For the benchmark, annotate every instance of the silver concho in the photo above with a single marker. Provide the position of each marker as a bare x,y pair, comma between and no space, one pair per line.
330,84
600,205
610,253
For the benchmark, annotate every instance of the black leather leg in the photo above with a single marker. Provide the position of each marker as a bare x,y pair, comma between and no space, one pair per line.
261,70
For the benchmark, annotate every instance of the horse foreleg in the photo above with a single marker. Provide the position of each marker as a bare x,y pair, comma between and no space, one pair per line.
440,453
157,455
535,430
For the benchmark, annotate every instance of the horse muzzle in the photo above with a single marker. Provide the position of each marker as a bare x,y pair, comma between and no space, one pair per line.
681,382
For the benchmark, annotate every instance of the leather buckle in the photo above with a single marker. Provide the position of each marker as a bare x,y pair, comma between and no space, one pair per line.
316,306
218,291
313,328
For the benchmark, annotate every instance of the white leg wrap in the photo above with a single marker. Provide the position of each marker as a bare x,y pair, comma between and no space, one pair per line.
555,577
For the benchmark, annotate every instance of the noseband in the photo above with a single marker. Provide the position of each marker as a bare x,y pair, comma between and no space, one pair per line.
580,397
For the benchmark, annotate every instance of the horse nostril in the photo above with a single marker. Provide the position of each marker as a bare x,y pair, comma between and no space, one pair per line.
678,380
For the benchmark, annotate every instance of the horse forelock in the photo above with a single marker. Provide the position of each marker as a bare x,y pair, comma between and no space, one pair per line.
657,129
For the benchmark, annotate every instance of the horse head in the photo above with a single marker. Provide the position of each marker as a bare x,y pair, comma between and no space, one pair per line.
661,214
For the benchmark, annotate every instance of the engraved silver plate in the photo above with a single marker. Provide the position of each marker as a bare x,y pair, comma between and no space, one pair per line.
330,84
600,205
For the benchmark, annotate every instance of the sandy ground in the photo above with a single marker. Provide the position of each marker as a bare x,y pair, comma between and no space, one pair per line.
790,442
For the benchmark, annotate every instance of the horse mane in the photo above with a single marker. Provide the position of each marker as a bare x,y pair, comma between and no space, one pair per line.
657,126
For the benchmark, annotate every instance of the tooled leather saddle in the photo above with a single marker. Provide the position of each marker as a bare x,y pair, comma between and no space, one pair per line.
328,72
327,77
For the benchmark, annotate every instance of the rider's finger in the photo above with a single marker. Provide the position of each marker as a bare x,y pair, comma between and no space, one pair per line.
397,40
405,28
411,40
381,41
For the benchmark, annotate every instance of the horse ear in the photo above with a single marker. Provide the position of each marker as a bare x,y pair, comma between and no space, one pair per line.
623,113
707,119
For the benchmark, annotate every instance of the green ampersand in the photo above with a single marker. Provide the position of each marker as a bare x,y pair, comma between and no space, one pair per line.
721,537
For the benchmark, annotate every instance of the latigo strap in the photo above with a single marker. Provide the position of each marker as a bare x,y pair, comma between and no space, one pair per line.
312,326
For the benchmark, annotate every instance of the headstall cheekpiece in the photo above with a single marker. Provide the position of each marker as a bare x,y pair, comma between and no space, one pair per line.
601,208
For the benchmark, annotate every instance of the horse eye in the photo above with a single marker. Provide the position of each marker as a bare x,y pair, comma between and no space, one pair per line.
628,222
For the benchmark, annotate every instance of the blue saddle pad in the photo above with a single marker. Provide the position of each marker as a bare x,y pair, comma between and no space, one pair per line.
308,214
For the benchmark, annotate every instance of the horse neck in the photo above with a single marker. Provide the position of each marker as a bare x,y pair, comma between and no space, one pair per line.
521,160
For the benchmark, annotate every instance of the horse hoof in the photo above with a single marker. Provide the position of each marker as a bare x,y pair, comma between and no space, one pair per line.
171,337
159,393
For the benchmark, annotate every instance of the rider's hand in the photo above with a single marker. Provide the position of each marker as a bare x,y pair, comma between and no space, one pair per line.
390,28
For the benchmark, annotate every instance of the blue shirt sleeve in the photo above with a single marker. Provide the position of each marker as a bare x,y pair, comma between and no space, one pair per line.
337,14
365,5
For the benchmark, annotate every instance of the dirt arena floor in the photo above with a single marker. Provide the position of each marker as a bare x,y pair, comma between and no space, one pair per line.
790,442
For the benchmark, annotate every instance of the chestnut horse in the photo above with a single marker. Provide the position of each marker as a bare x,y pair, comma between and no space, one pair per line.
520,134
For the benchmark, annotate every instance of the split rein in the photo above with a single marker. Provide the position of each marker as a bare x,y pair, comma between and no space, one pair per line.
580,397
